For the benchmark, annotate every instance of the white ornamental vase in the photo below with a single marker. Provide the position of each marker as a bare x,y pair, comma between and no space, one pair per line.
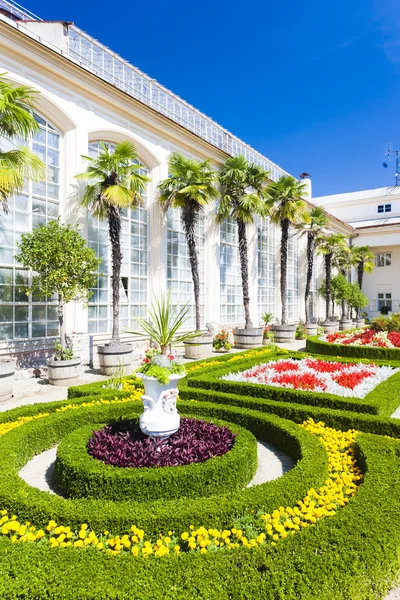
160,418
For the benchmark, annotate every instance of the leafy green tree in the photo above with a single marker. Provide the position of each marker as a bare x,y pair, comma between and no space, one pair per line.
17,164
243,190
344,259
314,229
357,299
62,264
341,291
189,188
365,262
328,245
114,182
286,207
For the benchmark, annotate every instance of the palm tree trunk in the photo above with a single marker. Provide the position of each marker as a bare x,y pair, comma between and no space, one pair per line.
360,273
328,276
244,267
188,218
114,229
310,265
284,257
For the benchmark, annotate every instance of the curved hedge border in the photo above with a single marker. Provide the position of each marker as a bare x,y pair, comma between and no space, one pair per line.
18,446
339,558
317,346
82,476
383,399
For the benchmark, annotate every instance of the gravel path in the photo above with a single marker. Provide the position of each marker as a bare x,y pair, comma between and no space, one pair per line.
39,471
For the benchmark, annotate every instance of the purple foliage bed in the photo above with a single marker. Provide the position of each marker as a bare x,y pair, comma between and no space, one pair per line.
122,444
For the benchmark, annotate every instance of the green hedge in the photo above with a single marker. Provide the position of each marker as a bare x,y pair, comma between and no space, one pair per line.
317,346
383,399
353,555
102,388
82,476
18,446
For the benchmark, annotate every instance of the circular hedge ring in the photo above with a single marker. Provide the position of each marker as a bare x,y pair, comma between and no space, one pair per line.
80,475
316,346
21,444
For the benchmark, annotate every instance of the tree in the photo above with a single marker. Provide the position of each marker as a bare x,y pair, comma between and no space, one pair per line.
328,245
189,188
314,229
243,192
344,259
357,299
365,262
17,164
114,183
62,263
340,292
286,207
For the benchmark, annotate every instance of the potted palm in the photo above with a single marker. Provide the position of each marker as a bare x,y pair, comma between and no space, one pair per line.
286,208
243,188
328,245
160,371
114,182
17,165
317,224
189,188
64,267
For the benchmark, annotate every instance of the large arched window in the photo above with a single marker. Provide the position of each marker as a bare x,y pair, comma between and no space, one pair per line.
21,316
179,274
133,284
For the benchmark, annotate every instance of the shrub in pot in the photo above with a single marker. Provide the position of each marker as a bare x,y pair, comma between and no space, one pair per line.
64,268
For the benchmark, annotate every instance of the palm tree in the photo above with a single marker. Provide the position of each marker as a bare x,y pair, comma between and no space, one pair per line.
286,207
17,164
328,245
318,223
365,262
189,187
242,196
114,182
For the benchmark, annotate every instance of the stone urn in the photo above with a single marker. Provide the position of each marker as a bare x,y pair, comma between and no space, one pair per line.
345,324
160,418
115,360
199,347
285,333
7,370
330,327
63,372
312,329
248,338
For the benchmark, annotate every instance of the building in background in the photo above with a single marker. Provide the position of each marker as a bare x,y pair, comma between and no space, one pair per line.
375,217
86,94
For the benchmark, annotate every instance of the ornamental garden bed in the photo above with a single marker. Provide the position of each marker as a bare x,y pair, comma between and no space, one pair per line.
322,346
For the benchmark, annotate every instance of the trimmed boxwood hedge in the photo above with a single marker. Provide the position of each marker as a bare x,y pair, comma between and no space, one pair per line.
82,476
317,346
383,399
21,444
353,555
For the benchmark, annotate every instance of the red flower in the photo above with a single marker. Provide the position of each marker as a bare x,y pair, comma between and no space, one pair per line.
303,381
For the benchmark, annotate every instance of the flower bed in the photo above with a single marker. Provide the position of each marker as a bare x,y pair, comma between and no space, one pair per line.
312,374
365,337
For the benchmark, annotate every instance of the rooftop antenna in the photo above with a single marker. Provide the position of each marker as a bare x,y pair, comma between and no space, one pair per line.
390,153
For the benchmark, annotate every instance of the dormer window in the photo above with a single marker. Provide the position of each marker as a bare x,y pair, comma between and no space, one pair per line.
384,208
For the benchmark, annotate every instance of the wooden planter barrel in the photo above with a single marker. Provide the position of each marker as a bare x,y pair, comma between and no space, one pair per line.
284,333
199,347
248,338
360,322
312,329
115,360
7,370
345,324
63,372
330,327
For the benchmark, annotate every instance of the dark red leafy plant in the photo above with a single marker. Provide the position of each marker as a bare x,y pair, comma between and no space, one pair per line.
122,444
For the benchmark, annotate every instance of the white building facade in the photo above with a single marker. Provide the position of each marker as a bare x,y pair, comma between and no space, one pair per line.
87,94
375,217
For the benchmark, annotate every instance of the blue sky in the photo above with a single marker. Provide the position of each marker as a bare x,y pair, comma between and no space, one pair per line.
313,85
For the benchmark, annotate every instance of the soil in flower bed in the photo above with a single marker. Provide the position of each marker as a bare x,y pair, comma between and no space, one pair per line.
122,444
354,380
